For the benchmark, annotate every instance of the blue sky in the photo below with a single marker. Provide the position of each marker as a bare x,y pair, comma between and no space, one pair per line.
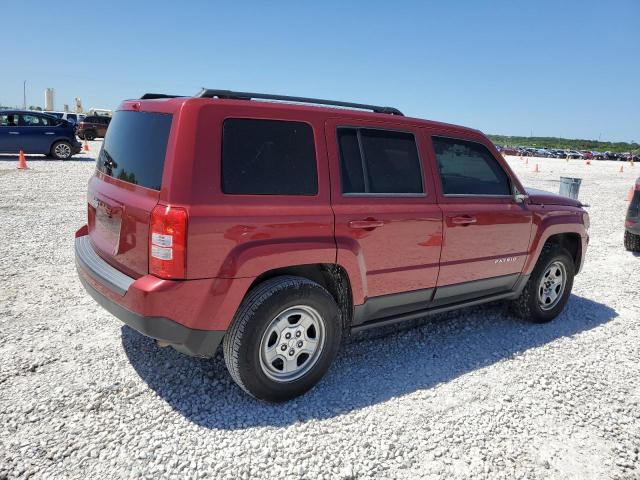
561,68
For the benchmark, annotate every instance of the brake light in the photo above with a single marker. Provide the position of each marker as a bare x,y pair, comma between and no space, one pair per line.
81,125
168,242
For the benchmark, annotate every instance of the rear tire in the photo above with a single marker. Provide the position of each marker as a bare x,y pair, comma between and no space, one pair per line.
631,241
548,288
61,150
89,135
283,338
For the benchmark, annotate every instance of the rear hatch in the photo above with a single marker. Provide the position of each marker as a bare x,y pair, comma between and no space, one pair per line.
126,188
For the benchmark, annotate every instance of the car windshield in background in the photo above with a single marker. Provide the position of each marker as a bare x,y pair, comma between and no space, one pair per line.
135,147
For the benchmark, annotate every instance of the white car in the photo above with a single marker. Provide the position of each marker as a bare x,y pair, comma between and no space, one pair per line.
69,116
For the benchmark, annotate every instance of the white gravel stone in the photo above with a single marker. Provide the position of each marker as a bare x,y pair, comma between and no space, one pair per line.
469,394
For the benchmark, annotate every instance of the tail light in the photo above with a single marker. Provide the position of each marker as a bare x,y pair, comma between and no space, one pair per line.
168,242
81,125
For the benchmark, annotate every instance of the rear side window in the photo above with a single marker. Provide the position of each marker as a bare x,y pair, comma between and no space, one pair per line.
379,162
268,157
9,120
469,168
135,147
34,121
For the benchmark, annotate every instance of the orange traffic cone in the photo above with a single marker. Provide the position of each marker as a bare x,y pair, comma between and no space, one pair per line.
537,169
621,168
22,162
629,194
85,147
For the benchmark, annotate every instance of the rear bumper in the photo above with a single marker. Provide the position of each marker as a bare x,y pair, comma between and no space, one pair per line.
120,295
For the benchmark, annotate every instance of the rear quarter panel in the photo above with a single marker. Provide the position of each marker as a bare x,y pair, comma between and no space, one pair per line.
231,236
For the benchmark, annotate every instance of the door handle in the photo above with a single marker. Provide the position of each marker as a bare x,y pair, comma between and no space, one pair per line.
14,133
464,220
367,224
49,133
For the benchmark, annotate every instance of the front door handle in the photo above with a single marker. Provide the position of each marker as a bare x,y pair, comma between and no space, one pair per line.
366,224
464,220
14,133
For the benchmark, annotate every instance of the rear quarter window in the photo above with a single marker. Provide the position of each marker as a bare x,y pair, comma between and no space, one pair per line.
135,146
268,157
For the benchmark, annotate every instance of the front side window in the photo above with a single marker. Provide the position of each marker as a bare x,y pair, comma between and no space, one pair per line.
379,161
469,168
268,157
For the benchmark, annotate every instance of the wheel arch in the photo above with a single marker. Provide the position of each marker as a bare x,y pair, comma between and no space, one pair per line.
571,241
334,278
565,228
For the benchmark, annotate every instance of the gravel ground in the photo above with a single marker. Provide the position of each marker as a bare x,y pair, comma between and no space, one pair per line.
471,394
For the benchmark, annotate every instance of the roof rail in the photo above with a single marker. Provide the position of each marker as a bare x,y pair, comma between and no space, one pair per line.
229,94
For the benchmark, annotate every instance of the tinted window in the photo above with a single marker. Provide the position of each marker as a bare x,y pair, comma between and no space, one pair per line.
379,161
268,157
135,147
468,168
350,161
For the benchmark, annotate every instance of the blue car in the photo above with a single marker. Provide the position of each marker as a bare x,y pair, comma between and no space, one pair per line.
35,132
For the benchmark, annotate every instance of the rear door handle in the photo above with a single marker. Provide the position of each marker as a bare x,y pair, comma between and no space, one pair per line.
367,224
49,133
463,220
14,133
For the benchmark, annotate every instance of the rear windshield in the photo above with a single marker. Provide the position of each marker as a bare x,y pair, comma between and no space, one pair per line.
135,146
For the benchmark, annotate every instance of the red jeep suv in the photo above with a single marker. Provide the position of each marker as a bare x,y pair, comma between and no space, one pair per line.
274,225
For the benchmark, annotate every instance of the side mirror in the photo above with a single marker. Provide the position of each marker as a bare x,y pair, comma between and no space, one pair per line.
520,197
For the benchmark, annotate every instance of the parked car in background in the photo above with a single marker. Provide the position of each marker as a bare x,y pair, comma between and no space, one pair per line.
612,156
93,126
586,154
70,117
632,222
276,228
509,151
543,152
35,132
574,154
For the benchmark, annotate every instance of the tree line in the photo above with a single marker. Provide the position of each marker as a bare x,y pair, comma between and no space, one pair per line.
565,143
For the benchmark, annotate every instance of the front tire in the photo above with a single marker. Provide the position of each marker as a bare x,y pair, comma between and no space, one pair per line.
548,288
631,241
89,135
61,150
283,338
